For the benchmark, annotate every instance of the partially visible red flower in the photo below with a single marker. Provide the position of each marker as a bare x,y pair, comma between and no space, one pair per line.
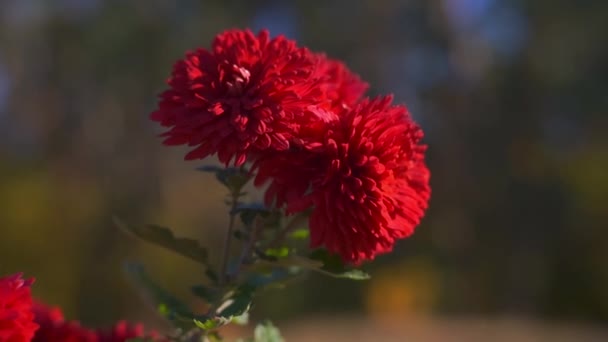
246,94
54,328
365,179
16,316
123,331
341,87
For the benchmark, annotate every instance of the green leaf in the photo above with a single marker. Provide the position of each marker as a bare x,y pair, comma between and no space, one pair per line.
209,294
352,274
234,178
248,212
320,262
281,252
300,234
164,237
209,324
167,305
334,267
236,304
267,332
277,277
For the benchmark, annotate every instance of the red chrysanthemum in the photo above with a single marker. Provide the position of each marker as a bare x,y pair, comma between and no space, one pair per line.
340,86
122,331
16,315
246,94
365,179
54,328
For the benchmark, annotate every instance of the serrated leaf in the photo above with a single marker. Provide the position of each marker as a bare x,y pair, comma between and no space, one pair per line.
167,305
164,237
267,332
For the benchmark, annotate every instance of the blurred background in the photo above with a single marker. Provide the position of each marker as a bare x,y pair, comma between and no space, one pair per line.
512,96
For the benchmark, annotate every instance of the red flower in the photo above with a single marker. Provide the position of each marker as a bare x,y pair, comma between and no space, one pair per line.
246,94
340,86
365,179
123,331
54,328
16,316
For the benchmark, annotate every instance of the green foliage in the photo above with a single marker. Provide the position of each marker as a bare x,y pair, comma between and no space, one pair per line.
300,234
166,304
234,178
235,304
248,212
164,237
209,294
280,252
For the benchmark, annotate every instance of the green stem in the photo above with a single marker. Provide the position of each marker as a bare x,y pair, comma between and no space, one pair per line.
228,240
248,248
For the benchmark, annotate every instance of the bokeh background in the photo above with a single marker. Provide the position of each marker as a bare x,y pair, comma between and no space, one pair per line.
512,96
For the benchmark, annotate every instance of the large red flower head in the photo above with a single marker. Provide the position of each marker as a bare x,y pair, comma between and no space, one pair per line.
246,94
16,316
54,328
365,179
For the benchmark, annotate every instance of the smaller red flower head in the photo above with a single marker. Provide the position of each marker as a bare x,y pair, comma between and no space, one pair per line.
16,316
54,328
365,179
246,94
340,86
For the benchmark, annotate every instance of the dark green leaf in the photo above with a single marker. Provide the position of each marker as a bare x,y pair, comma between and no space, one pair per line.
234,178
236,304
166,304
164,237
207,293
248,212
277,276
334,267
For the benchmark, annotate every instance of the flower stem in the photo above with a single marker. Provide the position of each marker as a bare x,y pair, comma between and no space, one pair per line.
228,239
249,246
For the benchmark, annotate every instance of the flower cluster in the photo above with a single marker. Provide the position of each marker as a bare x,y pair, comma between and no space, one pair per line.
301,120
16,316
23,320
